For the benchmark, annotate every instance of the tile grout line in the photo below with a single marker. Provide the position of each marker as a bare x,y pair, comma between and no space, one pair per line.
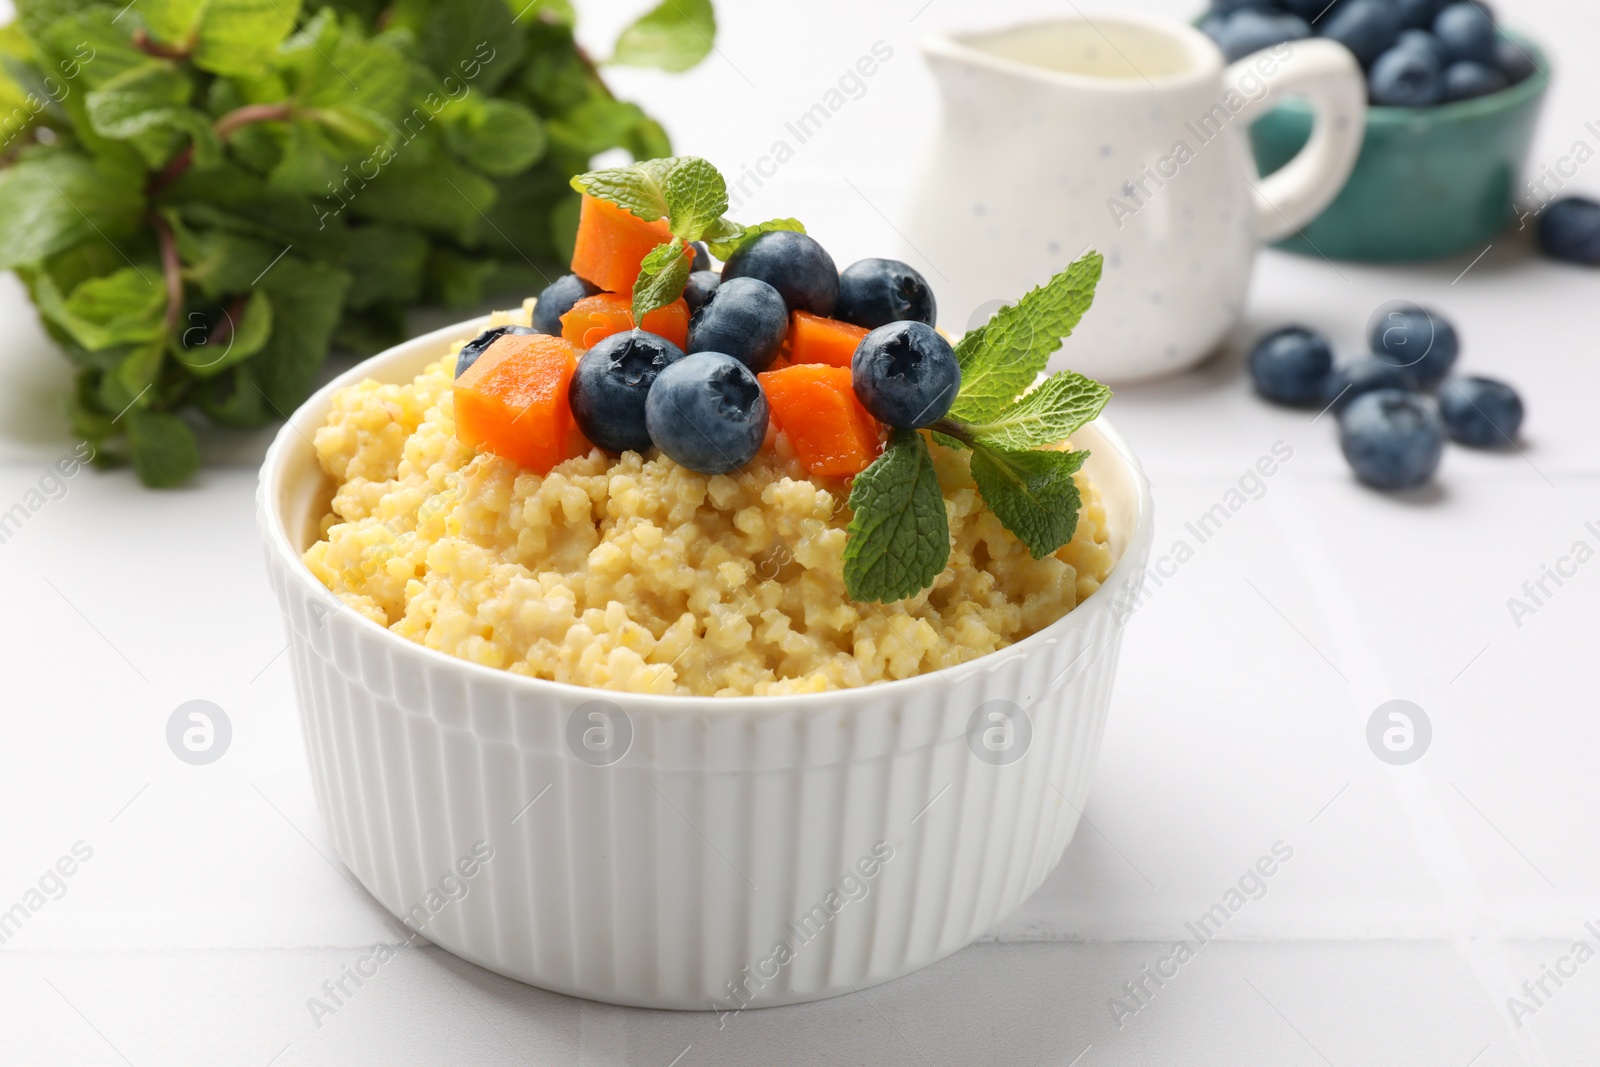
1421,797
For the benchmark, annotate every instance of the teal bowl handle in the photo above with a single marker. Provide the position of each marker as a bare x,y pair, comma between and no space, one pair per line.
1328,77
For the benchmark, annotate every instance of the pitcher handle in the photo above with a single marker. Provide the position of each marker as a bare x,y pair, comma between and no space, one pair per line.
1328,76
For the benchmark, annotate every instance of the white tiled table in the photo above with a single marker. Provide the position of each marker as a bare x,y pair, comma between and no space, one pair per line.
1417,900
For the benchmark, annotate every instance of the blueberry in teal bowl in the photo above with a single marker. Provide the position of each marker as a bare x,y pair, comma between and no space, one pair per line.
1443,151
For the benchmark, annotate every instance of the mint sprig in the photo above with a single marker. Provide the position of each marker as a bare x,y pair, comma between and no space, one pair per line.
899,536
1062,404
691,195
662,275
1032,493
1026,481
734,236
1002,357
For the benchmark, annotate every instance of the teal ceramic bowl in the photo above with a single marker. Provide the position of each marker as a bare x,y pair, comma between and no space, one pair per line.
1430,182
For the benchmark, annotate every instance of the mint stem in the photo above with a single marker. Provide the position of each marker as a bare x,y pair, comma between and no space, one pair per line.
959,430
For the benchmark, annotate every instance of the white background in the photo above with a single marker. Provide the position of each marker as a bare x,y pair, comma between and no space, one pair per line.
1417,900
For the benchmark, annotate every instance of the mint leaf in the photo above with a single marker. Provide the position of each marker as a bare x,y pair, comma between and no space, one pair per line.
696,197
48,203
1002,357
726,236
148,106
1061,405
240,37
663,273
473,37
499,137
125,307
206,349
171,21
1032,493
686,190
354,87
674,35
306,301
163,448
435,193
899,536
638,188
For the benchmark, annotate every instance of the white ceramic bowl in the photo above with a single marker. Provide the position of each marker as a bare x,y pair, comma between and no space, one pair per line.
695,853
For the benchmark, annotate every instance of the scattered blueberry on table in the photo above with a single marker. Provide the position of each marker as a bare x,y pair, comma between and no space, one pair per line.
1416,53
610,385
1420,340
1480,412
1366,375
905,375
1291,366
1391,430
1393,439
1569,229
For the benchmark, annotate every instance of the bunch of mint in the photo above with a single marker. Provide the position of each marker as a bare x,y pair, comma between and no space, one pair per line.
203,196
899,536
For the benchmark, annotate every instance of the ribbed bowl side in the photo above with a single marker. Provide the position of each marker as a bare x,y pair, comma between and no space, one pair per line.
866,841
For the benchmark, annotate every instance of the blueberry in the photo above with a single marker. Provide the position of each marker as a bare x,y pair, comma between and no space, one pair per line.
1513,60
707,412
1417,14
611,383
1392,439
1464,80
1308,9
1212,26
1426,42
1467,32
1569,229
702,256
743,317
1250,31
698,289
876,292
556,300
1291,365
1228,7
1365,376
1368,28
1417,339
1480,411
1405,77
792,263
905,374
480,344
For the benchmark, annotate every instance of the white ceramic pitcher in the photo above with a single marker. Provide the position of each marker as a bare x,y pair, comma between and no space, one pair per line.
1126,134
